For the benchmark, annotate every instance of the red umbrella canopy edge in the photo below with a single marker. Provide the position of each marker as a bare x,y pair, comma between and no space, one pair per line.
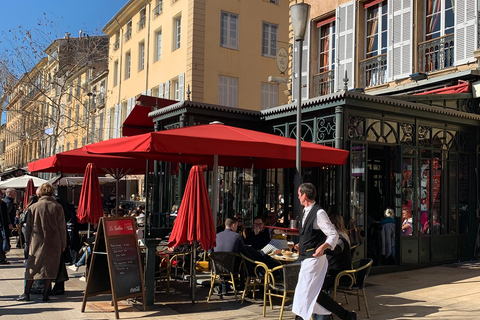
90,204
29,191
194,219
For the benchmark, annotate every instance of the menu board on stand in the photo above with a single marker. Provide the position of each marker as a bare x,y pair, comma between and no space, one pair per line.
116,265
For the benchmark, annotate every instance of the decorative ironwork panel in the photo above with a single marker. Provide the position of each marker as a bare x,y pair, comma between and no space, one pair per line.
424,136
407,134
307,130
382,131
356,127
326,128
462,138
444,139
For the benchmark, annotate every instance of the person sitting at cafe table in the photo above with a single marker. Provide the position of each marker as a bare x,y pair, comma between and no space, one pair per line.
229,240
259,237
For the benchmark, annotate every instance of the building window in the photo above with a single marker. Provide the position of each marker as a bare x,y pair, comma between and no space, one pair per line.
100,126
376,40
229,30
326,50
68,146
77,114
228,91
440,18
128,58
177,32
141,56
116,44
269,39
269,95
158,48
158,8
115,73
141,22
75,144
128,33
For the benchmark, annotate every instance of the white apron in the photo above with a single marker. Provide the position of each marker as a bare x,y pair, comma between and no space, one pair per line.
310,282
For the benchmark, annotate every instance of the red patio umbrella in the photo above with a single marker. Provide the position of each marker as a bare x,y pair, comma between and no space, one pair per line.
75,161
235,147
90,203
29,191
194,221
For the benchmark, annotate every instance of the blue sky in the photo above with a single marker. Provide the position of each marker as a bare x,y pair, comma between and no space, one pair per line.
67,15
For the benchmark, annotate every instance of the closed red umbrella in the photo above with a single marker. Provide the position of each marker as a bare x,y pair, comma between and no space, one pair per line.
90,204
29,191
194,219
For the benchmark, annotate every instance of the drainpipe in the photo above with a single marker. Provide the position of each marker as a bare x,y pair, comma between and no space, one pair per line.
147,44
119,62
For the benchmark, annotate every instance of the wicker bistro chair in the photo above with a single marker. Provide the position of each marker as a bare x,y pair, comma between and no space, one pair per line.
225,266
281,288
352,282
163,272
256,275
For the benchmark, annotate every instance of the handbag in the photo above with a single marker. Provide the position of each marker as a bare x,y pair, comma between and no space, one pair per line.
354,234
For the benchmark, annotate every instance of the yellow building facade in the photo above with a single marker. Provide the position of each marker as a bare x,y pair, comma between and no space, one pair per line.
223,51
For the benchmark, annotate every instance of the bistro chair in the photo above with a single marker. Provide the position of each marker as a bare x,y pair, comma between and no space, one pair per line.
225,267
281,288
162,273
352,282
256,275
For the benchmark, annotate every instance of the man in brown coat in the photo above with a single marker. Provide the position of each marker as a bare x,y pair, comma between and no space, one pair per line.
46,228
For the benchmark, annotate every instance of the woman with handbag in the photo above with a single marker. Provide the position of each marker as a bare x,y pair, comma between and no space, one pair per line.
48,239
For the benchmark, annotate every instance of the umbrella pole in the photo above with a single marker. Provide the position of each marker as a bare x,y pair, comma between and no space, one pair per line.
88,231
193,280
215,190
117,194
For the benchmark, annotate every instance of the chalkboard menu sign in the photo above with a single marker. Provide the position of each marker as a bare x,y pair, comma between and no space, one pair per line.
116,265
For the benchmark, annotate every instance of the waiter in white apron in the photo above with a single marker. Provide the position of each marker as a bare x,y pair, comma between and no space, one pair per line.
317,234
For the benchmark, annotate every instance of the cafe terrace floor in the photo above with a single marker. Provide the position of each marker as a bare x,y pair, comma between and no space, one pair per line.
441,292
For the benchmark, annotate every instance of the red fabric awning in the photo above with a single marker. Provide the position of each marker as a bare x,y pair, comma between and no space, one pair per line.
371,3
235,147
325,21
461,87
138,121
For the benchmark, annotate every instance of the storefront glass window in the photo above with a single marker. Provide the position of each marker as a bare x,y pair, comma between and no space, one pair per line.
408,192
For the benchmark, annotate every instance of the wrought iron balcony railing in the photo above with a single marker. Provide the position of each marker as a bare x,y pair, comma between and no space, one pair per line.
436,54
128,34
323,83
116,45
373,71
141,24
158,9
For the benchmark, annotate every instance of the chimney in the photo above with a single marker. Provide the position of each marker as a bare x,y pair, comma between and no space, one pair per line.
80,33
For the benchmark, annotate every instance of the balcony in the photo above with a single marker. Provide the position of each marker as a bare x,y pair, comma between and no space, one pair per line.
128,34
323,83
116,45
141,23
373,71
158,9
436,54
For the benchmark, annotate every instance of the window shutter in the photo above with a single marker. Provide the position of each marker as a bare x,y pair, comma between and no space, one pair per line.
149,92
119,121
181,85
305,65
115,121
129,106
109,118
345,41
466,36
160,90
167,90
399,49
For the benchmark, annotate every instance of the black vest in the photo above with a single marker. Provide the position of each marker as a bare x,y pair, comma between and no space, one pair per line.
309,239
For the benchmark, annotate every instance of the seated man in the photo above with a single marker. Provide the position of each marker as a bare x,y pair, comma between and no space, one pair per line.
259,237
229,240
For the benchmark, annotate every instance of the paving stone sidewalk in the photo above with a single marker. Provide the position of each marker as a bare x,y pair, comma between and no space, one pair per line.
442,292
